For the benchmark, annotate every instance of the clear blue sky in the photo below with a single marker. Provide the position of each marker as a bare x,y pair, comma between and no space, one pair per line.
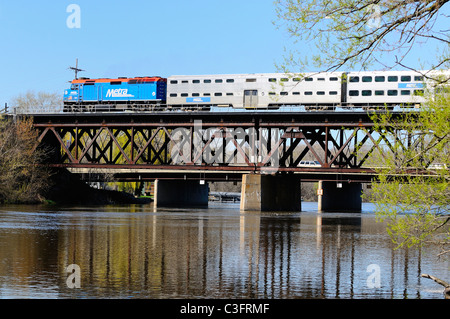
133,38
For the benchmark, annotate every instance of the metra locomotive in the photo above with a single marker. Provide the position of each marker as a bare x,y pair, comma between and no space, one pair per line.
314,91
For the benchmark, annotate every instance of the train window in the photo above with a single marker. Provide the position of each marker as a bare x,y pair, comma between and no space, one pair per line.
320,92
392,78
296,79
230,94
380,78
272,80
284,79
308,79
196,81
218,81
295,93
366,93
392,93
184,94
173,95
283,93
367,79
206,94
405,92
333,78
132,81
90,83
418,92
379,93
333,93
405,78
354,79
207,81
116,82
250,80
230,80
185,81
320,79
353,93
418,78
308,93
195,94
217,94
173,82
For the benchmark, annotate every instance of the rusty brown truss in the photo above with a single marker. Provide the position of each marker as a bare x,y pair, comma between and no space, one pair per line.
214,143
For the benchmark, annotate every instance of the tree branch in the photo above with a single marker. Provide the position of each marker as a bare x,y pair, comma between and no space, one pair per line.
439,281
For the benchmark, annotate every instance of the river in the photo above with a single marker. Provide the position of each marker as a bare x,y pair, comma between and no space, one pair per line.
135,251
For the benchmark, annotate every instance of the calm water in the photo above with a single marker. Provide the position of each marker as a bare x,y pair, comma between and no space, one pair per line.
219,252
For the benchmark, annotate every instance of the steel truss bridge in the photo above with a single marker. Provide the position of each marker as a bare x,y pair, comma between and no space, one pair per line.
216,146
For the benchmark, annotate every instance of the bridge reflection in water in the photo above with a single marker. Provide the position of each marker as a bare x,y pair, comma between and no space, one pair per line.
214,253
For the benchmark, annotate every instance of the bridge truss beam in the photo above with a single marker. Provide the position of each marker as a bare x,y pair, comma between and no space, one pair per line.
340,144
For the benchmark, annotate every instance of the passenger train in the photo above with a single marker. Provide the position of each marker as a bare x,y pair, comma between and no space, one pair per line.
265,91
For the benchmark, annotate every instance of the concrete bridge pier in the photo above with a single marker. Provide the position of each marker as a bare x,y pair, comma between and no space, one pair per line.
180,193
339,196
270,193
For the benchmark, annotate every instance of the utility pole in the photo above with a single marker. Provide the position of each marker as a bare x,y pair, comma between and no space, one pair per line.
76,69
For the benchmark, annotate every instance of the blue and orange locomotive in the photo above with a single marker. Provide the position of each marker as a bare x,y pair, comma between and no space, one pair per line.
121,93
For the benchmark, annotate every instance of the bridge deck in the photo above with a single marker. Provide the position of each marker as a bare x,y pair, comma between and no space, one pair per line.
245,118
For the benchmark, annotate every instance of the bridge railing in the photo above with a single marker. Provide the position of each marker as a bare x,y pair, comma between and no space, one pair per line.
158,108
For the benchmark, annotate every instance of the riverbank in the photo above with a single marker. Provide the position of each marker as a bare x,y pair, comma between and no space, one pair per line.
68,188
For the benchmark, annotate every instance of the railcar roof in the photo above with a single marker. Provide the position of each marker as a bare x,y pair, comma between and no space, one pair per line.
106,80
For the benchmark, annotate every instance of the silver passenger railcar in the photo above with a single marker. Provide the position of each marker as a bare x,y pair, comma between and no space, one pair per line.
377,88
255,91
317,91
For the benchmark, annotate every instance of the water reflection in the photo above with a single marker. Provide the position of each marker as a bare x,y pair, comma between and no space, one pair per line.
218,252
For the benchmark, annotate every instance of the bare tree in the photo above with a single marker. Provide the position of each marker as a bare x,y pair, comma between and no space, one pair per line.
22,178
40,102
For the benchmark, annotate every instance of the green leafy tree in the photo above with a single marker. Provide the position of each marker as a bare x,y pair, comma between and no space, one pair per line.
357,34
412,194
